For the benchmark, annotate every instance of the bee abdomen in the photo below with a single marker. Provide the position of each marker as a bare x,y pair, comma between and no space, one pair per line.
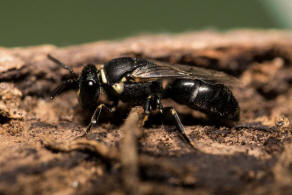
215,100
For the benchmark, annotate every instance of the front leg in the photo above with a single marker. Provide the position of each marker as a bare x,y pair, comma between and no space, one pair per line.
96,114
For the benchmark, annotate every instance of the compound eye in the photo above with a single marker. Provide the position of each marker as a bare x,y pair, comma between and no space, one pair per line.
90,83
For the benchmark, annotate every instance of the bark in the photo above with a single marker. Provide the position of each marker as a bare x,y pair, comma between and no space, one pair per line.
40,152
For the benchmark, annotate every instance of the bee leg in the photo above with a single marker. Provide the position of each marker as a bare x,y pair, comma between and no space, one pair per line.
146,110
158,104
95,116
179,125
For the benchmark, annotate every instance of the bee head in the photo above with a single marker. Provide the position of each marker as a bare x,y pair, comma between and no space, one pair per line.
89,87
87,84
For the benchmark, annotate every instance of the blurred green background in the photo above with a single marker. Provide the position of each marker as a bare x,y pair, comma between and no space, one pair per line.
67,22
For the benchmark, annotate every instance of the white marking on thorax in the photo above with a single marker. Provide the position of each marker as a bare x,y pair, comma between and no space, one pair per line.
118,87
103,77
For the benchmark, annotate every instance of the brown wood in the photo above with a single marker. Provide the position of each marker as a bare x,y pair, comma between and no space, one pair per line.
40,152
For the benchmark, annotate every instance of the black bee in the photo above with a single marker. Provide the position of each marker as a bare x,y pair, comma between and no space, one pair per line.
145,83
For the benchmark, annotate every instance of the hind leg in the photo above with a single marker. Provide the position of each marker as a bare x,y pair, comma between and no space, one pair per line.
179,125
155,103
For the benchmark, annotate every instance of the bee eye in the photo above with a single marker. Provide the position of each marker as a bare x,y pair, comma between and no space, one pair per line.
90,83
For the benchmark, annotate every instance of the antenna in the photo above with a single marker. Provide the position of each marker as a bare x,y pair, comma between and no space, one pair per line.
69,84
62,65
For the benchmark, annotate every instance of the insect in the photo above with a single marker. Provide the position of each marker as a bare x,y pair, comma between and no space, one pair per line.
145,83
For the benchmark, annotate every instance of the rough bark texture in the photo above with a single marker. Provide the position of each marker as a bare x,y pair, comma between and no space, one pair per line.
39,152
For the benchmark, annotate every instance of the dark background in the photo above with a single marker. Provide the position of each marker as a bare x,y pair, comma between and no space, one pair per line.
66,22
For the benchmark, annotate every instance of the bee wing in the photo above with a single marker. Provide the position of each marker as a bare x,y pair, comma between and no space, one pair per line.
154,70
160,70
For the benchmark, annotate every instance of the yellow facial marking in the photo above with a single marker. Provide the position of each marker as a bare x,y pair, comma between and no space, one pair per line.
118,87
78,92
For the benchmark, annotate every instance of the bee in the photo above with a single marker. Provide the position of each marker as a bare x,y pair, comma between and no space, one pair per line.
142,82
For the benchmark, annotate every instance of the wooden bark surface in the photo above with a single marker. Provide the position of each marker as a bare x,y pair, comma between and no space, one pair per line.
39,152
